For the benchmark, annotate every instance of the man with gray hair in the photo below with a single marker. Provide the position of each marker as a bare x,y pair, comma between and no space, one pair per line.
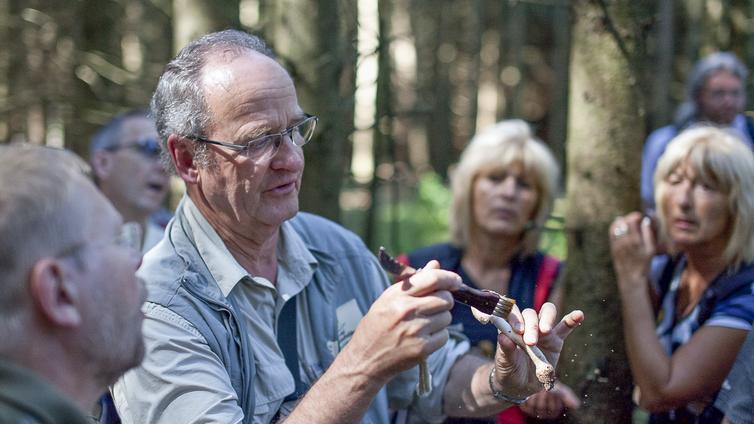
70,317
125,159
715,95
257,312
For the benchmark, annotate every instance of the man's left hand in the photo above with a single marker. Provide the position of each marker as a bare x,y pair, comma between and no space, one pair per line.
515,372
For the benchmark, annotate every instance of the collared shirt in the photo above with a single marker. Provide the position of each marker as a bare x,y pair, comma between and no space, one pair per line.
260,302
204,358
736,398
27,398
735,311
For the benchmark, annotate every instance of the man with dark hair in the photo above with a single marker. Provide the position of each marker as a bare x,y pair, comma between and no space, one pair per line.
257,312
70,302
125,159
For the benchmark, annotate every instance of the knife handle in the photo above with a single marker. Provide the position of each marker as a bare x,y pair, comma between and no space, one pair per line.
483,300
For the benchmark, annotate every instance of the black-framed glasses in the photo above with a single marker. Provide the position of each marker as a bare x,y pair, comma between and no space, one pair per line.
267,146
148,147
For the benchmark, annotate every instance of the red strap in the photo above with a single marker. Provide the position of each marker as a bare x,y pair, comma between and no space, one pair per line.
547,273
512,415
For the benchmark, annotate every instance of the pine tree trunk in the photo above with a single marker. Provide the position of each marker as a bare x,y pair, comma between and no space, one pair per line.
315,39
194,18
558,114
606,131
661,110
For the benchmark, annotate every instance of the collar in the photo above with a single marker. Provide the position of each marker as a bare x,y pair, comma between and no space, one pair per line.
296,264
224,269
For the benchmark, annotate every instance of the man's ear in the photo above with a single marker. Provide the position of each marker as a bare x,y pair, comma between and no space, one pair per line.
55,297
182,152
102,164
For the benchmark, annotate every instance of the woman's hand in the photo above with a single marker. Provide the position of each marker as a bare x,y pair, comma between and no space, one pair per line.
550,405
632,245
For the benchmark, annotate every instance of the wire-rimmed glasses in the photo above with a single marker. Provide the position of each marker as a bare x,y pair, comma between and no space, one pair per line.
266,146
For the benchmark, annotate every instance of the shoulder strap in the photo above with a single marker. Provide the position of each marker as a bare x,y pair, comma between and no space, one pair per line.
548,272
663,269
723,286
288,342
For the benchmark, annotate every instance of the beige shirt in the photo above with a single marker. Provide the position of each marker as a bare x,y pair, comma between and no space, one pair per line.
207,395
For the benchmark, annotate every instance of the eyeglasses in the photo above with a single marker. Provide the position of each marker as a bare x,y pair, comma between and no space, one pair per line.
149,147
267,146
129,237
719,95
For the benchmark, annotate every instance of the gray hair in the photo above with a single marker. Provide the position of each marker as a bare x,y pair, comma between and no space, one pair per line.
719,158
109,135
178,104
495,148
39,217
688,112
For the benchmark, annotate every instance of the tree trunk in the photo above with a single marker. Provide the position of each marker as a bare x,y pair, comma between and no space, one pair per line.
661,111
194,18
558,111
5,61
320,52
430,28
694,18
467,67
382,149
605,135
512,75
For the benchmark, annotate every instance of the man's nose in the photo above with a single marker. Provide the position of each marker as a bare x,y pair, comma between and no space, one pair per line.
287,154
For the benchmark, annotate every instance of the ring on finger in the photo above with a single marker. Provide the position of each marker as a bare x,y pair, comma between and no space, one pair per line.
620,231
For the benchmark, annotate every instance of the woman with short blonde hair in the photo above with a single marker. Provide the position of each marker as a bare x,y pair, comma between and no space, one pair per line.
496,149
704,294
723,161
503,192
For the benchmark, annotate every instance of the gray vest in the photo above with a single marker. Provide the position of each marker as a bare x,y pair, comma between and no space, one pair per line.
179,280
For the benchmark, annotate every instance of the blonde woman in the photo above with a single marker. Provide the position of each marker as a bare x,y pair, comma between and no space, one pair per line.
703,298
503,191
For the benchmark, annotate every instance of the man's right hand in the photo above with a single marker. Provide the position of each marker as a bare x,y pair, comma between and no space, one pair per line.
405,324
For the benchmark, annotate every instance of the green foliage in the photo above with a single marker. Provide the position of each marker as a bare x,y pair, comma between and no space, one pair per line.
421,220
553,240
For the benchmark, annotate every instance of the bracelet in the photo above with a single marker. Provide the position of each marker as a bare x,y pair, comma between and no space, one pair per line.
499,395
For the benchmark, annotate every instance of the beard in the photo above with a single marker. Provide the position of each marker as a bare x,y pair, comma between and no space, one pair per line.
113,345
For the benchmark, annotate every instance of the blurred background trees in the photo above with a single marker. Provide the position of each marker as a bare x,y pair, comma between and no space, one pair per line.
401,86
